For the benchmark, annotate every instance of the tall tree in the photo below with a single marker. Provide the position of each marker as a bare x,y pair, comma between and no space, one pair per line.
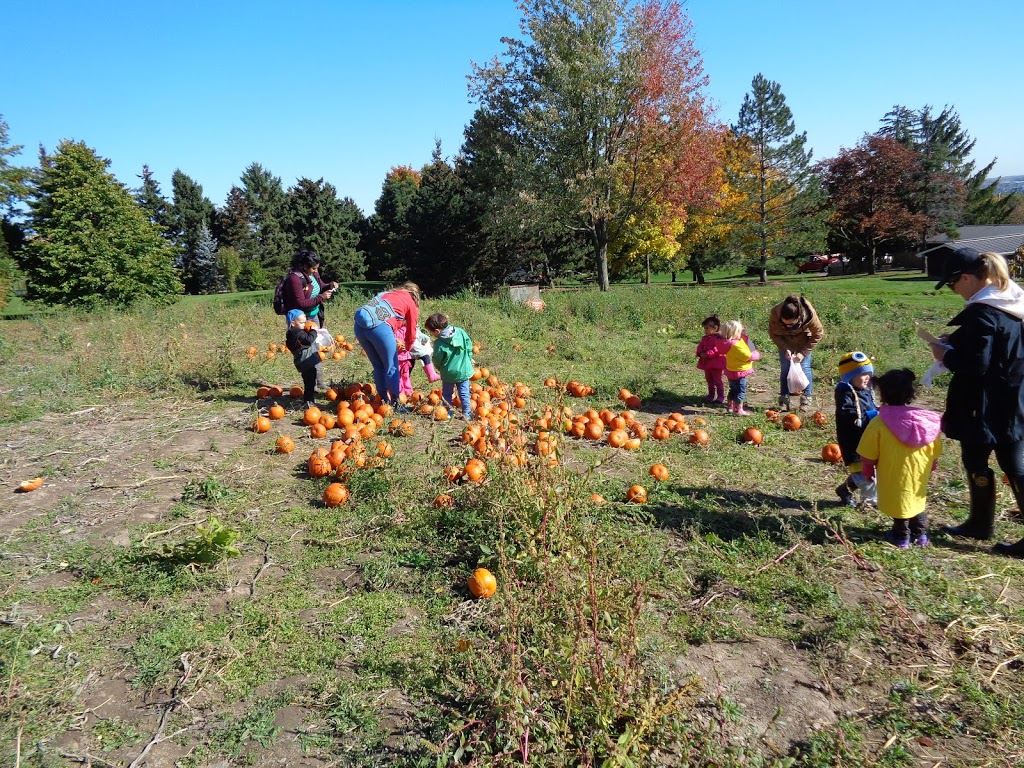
93,244
191,212
266,202
205,262
317,219
157,207
781,211
870,189
603,102
233,229
13,189
388,235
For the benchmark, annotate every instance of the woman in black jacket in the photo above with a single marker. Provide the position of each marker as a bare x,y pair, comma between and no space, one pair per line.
985,402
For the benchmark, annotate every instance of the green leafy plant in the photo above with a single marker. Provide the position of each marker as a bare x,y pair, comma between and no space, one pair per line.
212,543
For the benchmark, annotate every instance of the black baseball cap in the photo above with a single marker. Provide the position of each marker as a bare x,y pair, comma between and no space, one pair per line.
959,262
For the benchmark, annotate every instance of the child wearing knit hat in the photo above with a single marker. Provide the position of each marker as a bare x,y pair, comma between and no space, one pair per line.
855,407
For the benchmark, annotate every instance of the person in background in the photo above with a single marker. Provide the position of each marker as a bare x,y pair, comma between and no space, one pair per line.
985,401
711,358
304,288
902,447
795,328
855,407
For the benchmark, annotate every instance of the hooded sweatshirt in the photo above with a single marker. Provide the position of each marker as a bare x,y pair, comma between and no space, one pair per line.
453,355
985,402
900,449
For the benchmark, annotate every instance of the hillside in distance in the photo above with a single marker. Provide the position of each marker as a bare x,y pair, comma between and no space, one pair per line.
1008,184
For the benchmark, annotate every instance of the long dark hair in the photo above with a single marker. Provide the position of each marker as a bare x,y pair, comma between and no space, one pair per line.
305,258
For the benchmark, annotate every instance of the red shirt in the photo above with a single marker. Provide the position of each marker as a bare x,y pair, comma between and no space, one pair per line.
404,304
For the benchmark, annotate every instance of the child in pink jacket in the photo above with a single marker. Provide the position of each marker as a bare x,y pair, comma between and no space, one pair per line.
711,359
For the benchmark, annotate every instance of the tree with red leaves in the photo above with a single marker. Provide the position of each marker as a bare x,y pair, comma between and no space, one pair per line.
871,188
603,101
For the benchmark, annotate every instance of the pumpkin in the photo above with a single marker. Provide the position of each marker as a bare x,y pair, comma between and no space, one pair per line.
276,391
831,453
263,392
284,444
440,413
699,437
27,486
331,394
317,431
617,438
659,472
452,473
328,421
311,416
791,422
295,392
444,500
482,583
700,421
311,326
661,432
335,495
819,419
752,436
597,498
276,411
772,416
594,429
318,465
475,470
636,494
624,394
385,450
262,424
633,444
633,401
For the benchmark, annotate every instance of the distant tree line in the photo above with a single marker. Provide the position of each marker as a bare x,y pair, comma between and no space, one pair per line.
593,153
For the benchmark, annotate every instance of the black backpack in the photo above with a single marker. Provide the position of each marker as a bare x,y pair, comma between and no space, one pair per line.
279,305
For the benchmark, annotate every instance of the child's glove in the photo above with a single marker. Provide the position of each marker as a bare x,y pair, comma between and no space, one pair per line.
869,415
755,355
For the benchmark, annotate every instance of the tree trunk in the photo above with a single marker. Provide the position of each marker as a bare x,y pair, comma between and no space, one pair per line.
673,275
871,260
763,278
600,237
698,275
648,279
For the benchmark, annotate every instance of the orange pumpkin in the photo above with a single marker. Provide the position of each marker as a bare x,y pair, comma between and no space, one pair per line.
475,470
328,421
791,422
659,472
661,432
317,431
752,436
699,437
311,416
633,401
482,583
335,495
831,453
594,429
444,500
284,444
276,391
263,393
276,411
617,438
295,392
440,413
318,465
262,424
385,450
27,486
819,418
772,416
597,498
636,494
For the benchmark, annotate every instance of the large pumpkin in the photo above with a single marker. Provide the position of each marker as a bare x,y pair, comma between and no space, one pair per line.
482,583
311,416
791,422
318,464
752,436
699,437
335,495
831,453
659,472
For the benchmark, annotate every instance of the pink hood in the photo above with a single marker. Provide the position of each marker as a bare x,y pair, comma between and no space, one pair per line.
912,426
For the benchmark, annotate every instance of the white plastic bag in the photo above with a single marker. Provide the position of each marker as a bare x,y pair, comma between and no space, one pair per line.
796,380
324,338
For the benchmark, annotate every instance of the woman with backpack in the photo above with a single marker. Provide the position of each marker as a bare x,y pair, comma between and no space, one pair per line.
304,289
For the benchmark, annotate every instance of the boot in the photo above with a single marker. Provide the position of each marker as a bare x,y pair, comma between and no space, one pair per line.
805,402
732,407
1016,549
432,375
981,518
740,410
784,402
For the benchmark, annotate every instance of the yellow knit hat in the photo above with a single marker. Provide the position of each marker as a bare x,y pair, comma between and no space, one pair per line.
854,364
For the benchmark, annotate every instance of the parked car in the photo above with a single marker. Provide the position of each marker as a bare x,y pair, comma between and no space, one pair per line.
818,263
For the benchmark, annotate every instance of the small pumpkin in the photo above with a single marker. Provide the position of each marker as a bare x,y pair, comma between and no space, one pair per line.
440,413
311,416
262,393
659,472
276,411
772,416
27,486
262,424
752,436
335,495
597,499
317,431
832,453
295,393
284,444
819,419
475,470
444,501
482,583
617,438
318,465
699,437
791,422
636,494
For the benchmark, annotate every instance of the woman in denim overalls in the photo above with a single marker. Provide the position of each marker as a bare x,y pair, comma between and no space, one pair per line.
383,323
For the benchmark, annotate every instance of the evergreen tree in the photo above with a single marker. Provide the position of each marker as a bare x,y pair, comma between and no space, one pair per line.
984,206
229,268
192,211
441,253
13,180
93,244
233,229
332,228
388,236
781,210
205,262
156,206
266,203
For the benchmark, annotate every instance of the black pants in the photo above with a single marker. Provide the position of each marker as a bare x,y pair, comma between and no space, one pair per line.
309,383
1009,455
912,526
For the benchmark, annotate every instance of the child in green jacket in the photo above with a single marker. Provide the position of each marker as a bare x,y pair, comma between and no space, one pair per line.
453,359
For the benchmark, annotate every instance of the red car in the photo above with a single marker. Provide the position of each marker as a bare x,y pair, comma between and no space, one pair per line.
818,263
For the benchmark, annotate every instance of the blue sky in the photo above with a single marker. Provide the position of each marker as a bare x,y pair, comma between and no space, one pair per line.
346,90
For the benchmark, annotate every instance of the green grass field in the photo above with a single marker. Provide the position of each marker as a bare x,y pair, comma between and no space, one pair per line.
740,617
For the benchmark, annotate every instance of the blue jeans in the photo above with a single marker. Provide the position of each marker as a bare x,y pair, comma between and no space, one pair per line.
378,341
448,389
738,390
784,363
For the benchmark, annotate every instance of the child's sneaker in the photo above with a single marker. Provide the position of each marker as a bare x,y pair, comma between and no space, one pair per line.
900,542
921,540
846,495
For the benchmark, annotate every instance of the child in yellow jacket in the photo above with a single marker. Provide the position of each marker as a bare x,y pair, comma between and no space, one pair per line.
739,364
